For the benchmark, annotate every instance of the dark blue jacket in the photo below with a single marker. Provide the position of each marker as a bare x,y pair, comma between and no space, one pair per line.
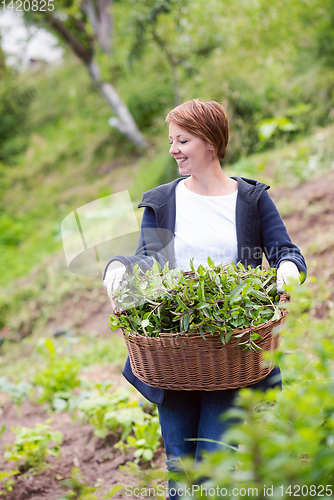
260,230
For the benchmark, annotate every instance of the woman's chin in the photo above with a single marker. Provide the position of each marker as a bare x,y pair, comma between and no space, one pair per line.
183,170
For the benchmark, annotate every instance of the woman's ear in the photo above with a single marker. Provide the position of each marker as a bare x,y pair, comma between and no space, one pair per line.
212,150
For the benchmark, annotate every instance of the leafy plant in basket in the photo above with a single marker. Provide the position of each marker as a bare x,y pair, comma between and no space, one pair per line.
209,299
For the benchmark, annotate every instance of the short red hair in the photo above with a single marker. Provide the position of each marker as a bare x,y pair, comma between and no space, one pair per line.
206,119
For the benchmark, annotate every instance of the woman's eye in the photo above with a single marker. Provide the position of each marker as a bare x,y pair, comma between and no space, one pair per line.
183,142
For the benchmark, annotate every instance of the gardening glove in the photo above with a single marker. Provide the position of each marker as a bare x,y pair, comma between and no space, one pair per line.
287,274
112,280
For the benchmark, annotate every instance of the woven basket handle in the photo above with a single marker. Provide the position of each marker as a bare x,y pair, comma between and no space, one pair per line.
284,298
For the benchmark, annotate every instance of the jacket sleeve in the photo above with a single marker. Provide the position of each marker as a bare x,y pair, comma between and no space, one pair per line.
276,242
154,244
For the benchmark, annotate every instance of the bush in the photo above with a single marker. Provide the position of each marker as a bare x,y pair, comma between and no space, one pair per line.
14,102
150,103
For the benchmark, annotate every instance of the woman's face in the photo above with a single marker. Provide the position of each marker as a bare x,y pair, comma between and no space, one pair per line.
191,153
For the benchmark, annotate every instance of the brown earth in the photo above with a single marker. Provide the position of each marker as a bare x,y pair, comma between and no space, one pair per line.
308,212
96,458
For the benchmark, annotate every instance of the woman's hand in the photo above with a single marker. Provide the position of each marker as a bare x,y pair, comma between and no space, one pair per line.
287,274
112,280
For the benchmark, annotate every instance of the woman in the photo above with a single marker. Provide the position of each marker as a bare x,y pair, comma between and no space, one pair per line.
204,213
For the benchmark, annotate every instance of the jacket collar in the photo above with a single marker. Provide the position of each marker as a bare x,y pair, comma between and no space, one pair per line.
158,197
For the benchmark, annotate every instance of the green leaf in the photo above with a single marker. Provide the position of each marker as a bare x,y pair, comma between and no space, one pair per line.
114,490
255,336
260,295
228,336
237,289
202,305
211,263
186,322
277,314
147,455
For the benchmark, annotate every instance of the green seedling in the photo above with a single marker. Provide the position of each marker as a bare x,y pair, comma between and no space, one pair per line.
33,446
146,439
58,379
7,481
16,392
113,411
79,489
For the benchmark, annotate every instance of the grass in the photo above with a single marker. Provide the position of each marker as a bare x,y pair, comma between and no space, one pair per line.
22,360
289,165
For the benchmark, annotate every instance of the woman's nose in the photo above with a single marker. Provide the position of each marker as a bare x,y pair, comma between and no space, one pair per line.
173,149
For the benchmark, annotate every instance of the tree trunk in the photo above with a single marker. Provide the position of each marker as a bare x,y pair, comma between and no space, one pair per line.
123,121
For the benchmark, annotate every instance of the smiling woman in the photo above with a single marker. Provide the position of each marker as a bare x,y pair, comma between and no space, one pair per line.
206,120
198,136
205,214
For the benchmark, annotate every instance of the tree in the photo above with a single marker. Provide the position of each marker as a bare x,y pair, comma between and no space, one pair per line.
184,31
14,102
86,27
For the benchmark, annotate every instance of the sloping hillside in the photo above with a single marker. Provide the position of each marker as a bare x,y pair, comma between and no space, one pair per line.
308,212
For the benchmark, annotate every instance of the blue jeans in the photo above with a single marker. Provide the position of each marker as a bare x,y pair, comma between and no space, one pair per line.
197,414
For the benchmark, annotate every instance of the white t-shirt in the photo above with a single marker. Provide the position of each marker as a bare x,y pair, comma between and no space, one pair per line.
204,227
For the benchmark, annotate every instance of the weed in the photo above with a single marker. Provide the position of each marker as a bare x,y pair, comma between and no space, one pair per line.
7,481
146,439
58,379
79,489
32,446
16,392
113,411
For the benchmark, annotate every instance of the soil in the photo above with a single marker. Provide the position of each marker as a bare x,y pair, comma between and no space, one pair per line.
309,222
308,213
96,458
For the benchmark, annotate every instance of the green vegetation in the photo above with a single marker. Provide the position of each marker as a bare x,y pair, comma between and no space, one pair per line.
208,299
78,488
32,446
58,379
112,411
116,412
7,481
145,439
16,392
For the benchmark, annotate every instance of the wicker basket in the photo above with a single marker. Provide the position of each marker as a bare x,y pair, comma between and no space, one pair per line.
189,363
